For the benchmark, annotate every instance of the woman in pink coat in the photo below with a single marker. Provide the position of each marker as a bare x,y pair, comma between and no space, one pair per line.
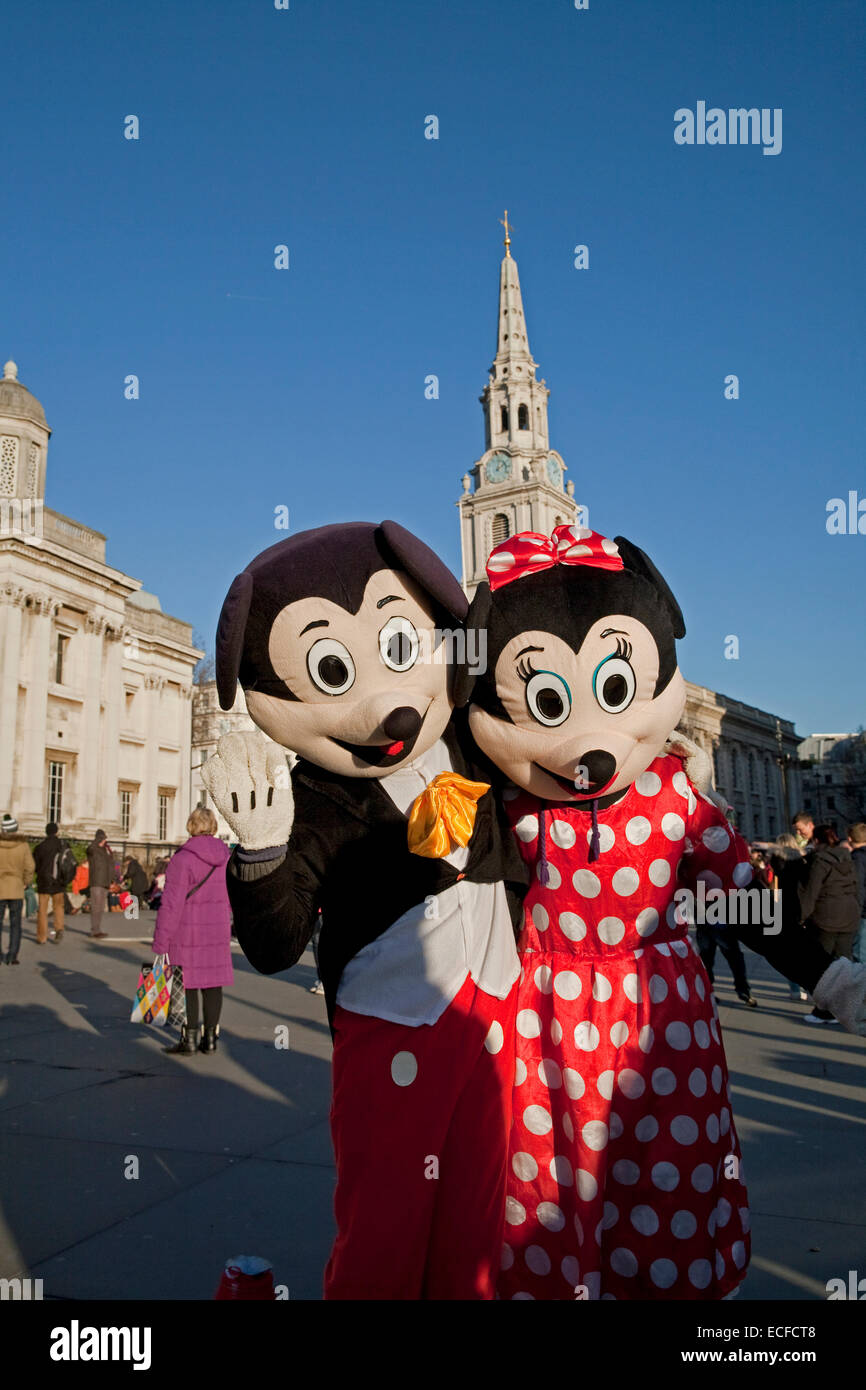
193,928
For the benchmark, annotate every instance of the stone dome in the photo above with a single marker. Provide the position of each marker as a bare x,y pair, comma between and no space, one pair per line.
16,400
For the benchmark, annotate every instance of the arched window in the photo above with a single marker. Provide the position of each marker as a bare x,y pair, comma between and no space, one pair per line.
504,418
501,529
523,417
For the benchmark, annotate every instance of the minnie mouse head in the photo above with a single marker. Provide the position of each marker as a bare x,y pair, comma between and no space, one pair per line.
582,686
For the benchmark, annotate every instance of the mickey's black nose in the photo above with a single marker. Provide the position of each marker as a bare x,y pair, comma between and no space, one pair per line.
594,769
402,723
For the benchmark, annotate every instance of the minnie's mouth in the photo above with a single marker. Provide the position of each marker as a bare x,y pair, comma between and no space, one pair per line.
587,792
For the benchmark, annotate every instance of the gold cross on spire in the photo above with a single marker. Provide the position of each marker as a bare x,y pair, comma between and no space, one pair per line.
507,242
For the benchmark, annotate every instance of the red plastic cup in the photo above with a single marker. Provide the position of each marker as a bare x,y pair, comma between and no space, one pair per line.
246,1278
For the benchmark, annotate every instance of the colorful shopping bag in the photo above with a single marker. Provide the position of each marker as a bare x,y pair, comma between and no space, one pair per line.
153,994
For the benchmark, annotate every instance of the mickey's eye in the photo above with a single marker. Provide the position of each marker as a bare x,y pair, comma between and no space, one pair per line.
330,666
548,698
613,684
398,644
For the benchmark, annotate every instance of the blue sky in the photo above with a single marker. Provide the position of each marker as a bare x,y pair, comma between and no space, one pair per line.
306,387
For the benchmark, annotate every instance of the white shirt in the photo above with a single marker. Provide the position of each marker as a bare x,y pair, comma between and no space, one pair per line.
411,973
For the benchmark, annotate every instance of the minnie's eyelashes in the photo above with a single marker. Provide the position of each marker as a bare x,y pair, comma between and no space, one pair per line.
624,648
526,670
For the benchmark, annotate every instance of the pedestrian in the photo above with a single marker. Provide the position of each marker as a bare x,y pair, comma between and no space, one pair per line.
157,883
100,862
788,861
193,928
803,826
16,870
830,902
135,878
708,938
857,837
54,862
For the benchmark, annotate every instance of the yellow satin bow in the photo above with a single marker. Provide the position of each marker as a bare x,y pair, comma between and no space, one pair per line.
444,815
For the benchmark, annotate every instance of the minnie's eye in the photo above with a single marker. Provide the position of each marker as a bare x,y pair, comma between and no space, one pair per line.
548,698
613,684
330,666
398,644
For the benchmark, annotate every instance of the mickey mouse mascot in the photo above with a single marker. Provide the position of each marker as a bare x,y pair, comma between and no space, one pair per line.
338,636
625,1179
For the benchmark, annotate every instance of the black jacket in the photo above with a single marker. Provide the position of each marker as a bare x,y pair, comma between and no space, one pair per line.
349,858
46,857
858,855
830,897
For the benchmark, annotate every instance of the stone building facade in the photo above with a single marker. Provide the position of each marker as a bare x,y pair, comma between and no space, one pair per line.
95,680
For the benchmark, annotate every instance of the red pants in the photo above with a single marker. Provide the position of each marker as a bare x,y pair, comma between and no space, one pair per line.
420,1122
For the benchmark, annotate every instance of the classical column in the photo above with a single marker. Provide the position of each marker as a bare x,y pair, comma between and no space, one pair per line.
11,604
41,608
113,695
153,685
91,757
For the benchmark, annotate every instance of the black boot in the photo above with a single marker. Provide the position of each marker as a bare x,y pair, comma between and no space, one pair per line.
209,1039
187,1044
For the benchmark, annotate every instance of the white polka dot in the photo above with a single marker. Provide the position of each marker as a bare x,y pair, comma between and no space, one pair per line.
540,917
587,1187
586,883
698,1082
682,982
646,1038
604,1084
663,1273
515,1212
663,949
602,988
638,830
724,1119
570,1271
714,1029
700,1273
550,1216
619,1033
625,882
665,1176
712,1128
606,838
507,1257
683,1224
673,826
702,1178
710,879
647,921
549,1074
659,873
528,1023
525,1167
716,1079
543,978
404,1068
631,988
702,1034
678,1036
680,784
684,1129
648,784
723,1211
611,930
716,839
745,1219
623,1262
663,1081
537,1259
586,1037
609,547
526,828
610,1217
495,1038
566,984
560,1171
644,1219
631,1083
537,1119
572,926
519,1072
555,1032
594,1134
658,989
720,1264
562,834
738,1253
646,1129
742,873
616,1125
554,877
522,1297
568,1127
574,1083
625,1171
680,948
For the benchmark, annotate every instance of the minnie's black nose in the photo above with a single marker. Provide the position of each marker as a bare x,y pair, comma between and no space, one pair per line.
402,723
595,769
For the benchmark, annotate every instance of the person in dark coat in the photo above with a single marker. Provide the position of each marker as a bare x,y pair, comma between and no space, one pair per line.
135,879
193,928
47,857
788,862
857,838
830,901
16,871
101,864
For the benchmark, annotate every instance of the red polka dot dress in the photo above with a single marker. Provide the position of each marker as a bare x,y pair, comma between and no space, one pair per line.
624,1178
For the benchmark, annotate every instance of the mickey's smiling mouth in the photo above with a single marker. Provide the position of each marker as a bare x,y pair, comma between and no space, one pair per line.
381,754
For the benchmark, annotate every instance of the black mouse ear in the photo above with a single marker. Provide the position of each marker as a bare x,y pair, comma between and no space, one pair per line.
231,630
425,567
638,562
476,623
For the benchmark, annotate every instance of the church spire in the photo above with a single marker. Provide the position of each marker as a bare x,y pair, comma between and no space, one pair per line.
512,343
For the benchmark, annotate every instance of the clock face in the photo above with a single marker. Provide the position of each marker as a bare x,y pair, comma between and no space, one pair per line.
498,468
554,472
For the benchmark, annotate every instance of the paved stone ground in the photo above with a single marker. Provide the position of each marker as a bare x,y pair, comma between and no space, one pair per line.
234,1153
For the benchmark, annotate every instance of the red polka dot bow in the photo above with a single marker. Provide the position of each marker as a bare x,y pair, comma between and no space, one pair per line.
530,551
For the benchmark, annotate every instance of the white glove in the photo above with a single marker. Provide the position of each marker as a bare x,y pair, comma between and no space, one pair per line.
842,990
698,765
249,781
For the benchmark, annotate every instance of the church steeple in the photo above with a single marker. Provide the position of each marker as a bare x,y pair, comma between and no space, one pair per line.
518,480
